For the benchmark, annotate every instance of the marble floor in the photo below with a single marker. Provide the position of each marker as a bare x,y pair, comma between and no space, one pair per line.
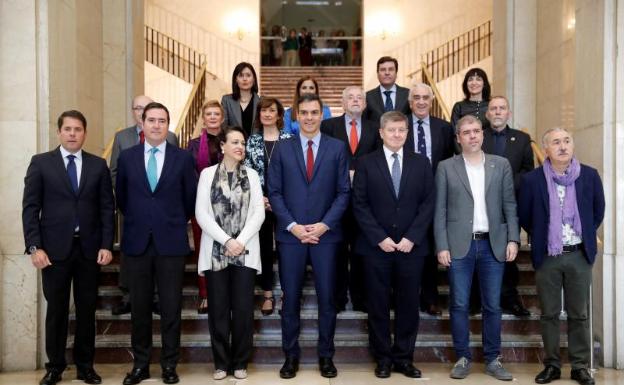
195,374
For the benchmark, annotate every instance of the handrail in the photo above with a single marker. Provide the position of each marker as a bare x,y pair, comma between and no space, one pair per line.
536,149
438,103
192,108
109,147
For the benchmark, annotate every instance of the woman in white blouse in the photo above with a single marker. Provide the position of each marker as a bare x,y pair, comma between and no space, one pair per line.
230,212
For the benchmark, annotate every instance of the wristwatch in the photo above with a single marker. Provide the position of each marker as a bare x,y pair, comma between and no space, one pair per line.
32,250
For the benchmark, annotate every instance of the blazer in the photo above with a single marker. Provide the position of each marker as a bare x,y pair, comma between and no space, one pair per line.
256,153
534,211
380,214
369,139
375,102
232,109
50,206
452,226
212,232
162,214
323,199
127,138
518,151
442,139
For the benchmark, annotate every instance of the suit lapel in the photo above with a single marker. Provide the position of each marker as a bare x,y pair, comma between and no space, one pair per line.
544,192
342,130
379,100
168,163
489,169
319,155
139,164
380,159
435,140
406,170
411,140
297,150
237,112
460,168
84,171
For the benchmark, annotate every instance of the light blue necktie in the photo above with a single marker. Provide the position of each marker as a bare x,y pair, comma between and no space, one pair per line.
396,173
152,170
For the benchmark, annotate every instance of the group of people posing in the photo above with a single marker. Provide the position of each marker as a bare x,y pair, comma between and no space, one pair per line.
381,194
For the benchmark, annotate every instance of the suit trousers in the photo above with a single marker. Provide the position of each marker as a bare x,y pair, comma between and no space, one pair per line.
292,268
267,251
349,269
429,285
231,313
168,273
124,278
573,273
399,274
57,282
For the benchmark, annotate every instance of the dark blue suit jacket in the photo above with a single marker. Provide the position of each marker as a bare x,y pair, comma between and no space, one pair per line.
163,213
323,199
534,214
381,214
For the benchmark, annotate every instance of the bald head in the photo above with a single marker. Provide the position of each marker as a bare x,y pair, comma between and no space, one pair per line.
138,103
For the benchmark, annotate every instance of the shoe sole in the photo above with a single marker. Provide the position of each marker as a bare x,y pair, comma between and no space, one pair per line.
329,375
499,378
549,381
287,376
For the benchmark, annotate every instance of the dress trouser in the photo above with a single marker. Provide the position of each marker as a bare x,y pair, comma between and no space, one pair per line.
349,268
429,284
230,313
168,273
57,281
267,252
572,272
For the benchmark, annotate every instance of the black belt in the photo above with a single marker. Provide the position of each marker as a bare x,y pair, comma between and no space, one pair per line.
480,236
572,248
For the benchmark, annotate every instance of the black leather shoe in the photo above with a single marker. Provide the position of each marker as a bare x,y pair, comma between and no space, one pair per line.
550,373
327,368
122,308
169,376
408,370
383,370
156,308
582,376
136,376
290,368
89,376
433,310
51,377
517,309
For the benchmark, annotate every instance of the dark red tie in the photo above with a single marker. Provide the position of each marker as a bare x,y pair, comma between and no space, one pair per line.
141,137
310,160
353,139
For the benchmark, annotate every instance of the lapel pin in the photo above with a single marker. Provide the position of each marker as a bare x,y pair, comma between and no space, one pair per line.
513,138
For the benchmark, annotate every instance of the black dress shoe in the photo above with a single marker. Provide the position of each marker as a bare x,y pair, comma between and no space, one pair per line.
169,376
51,377
290,368
122,308
517,309
136,376
327,368
550,373
89,376
383,370
408,369
156,308
582,376
433,310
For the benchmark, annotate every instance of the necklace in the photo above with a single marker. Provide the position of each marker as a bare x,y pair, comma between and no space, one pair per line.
268,154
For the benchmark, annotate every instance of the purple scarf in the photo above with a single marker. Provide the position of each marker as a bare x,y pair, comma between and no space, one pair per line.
203,155
570,214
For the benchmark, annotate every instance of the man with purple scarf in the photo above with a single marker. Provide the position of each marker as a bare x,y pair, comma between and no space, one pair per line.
561,205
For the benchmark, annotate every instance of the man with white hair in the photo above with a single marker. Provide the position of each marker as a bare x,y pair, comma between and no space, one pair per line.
561,205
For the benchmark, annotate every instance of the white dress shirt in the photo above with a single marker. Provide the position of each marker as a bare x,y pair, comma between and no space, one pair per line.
159,155
476,177
77,161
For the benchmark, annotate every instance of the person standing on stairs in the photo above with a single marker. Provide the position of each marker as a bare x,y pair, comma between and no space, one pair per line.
68,221
389,96
561,205
305,85
240,106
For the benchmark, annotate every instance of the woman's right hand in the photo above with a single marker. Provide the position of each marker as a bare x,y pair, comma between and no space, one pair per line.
234,247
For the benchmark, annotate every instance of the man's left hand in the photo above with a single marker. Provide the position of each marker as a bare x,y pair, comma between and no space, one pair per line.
405,245
104,257
317,229
512,251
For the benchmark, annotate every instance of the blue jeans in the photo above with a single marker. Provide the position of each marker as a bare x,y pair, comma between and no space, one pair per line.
490,273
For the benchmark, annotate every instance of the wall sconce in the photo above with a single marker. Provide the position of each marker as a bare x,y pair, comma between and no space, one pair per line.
239,24
384,24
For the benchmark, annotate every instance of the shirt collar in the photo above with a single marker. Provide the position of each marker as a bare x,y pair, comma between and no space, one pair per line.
348,120
161,147
304,139
468,164
389,152
393,88
138,129
502,132
65,153
416,119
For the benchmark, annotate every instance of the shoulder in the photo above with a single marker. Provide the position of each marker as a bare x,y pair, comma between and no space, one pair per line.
589,171
227,99
87,156
448,163
402,89
534,174
208,173
416,158
439,122
520,134
333,142
254,138
367,159
332,121
252,174
372,91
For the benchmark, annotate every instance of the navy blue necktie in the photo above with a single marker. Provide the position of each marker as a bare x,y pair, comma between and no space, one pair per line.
72,173
422,146
388,106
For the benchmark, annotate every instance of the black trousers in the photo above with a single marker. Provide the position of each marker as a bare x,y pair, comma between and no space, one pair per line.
168,273
230,312
57,281
395,274
349,266
429,285
267,252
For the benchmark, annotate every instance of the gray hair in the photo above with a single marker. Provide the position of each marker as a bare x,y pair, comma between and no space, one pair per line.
349,88
549,131
392,116
467,119
421,85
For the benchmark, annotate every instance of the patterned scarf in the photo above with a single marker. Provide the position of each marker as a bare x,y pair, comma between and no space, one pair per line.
230,205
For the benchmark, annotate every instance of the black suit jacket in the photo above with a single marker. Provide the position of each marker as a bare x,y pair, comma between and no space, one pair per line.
518,152
369,139
442,139
375,101
50,206
380,214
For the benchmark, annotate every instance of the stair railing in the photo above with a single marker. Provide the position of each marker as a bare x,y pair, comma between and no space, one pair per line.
438,107
192,109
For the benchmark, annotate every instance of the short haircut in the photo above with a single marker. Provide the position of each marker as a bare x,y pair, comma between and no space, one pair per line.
155,106
213,104
228,130
71,114
309,98
385,59
392,116
500,97
237,70
266,102
421,85
349,88
467,119
486,84
551,130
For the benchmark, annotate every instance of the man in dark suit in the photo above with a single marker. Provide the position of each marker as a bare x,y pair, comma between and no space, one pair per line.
308,192
156,187
393,201
67,216
561,205
433,138
124,139
362,137
388,96
515,145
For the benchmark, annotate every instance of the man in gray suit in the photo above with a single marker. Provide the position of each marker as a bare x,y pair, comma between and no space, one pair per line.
126,138
475,228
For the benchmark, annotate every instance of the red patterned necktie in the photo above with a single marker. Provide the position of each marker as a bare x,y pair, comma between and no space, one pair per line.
310,160
353,140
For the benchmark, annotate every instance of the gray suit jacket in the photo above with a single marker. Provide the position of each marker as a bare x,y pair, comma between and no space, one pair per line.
233,110
127,138
454,206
